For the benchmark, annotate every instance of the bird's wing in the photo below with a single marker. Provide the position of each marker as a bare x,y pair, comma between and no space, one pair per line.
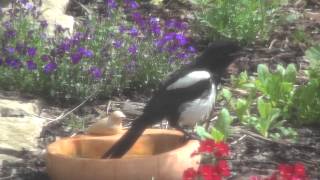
190,86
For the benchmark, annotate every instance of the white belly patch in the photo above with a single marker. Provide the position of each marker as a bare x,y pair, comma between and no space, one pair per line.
197,110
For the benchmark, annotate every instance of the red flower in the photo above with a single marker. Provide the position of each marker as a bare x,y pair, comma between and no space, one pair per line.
285,170
299,169
189,174
221,150
206,146
223,168
209,172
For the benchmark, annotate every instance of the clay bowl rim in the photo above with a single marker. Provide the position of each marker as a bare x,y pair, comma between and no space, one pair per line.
147,131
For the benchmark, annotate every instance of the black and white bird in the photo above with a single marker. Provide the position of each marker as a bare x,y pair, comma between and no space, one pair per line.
185,98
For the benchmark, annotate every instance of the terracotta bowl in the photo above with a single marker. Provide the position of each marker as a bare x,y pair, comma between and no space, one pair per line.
158,154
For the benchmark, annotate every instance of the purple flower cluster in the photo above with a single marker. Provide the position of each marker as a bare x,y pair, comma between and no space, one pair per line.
95,72
168,36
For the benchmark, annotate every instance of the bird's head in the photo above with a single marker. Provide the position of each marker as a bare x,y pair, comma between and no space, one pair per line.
218,56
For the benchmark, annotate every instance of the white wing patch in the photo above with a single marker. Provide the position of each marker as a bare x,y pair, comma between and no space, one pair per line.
197,110
189,79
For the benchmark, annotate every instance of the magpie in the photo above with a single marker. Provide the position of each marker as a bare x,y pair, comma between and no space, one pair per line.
186,97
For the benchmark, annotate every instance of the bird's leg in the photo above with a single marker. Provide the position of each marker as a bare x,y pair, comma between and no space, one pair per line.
188,135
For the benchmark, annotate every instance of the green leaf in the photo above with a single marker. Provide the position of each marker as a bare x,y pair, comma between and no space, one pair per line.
217,135
313,54
263,72
226,93
291,73
241,108
281,70
201,131
224,121
264,108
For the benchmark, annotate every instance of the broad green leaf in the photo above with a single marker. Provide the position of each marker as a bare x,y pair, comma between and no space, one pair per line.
201,131
281,70
263,72
263,108
224,121
217,135
226,93
291,73
241,107
313,54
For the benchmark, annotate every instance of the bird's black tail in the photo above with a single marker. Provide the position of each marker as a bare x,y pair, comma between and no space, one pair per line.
128,139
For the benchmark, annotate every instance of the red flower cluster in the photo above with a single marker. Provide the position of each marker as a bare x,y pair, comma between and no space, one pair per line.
292,172
210,171
286,172
219,149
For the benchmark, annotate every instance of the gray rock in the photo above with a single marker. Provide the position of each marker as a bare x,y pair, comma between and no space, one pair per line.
19,128
53,11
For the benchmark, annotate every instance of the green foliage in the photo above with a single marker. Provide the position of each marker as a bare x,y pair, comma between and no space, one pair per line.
267,115
241,19
223,124
201,131
221,129
307,98
267,101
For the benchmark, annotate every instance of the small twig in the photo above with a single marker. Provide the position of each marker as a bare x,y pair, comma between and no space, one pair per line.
64,114
272,43
108,107
167,4
238,140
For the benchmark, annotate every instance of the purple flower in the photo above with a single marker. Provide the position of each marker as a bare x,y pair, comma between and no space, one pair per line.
182,55
23,1
182,40
76,57
10,50
7,25
31,65
95,72
88,53
14,63
122,29
131,4
28,5
32,51
50,67
45,58
111,3
133,49
156,30
181,25
192,49
64,47
117,43
160,43
10,33
154,21
85,52
138,18
170,36
171,23
134,32
44,24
